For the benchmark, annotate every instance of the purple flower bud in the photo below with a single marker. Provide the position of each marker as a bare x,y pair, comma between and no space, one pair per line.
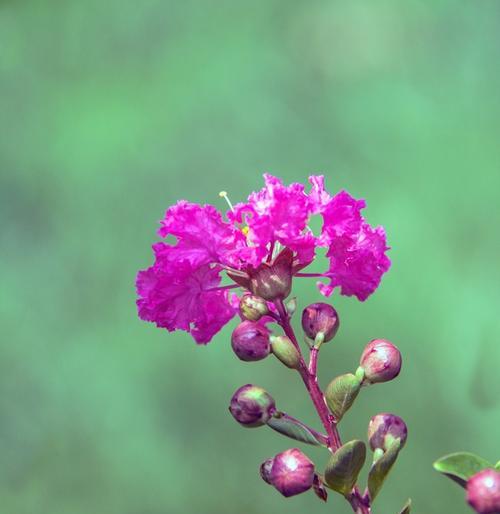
483,492
381,361
290,472
252,406
320,317
384,429
252,307
250,341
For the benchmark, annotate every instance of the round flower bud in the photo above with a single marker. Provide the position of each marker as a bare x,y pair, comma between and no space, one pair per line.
252,406
384,429
320,318
381,361
285,351
291,472
252,307
483,492
250,341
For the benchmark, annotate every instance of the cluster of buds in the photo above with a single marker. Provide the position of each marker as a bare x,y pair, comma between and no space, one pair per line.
261,245
291,472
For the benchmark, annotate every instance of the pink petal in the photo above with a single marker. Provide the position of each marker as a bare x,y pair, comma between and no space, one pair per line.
202,235
176,295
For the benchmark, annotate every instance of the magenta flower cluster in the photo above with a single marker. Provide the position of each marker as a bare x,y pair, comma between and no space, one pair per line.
183,291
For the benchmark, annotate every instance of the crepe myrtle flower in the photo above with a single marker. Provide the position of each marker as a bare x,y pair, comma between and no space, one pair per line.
260,244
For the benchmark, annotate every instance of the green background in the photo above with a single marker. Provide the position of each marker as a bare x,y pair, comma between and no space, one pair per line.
111,111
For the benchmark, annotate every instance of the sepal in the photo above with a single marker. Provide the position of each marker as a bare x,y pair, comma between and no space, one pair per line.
344,466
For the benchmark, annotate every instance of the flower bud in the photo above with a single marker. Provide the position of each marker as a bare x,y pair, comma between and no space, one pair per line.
381,361
274,280
384,429
252,406
285,351
250,341
290,472
320,318
483,492
252,307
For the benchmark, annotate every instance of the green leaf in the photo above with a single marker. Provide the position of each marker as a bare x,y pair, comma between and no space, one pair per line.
497,465
406,508
341,393
461,466
344,466
380,469
294,429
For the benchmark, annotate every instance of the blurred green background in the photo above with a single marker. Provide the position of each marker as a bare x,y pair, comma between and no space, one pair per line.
111,111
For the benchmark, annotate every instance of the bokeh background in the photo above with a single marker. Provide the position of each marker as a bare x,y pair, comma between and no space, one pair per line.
111,111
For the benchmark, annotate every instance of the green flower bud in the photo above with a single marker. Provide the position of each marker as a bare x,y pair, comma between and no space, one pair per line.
285,351
252,307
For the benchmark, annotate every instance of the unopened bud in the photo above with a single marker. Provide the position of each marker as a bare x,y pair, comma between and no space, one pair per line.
483,492
381,361
285,351
250,341
384,429
252,307
252,406
290,472
320,318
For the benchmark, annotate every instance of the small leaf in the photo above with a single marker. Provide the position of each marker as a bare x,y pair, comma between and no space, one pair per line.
497,465
381,468
406,508
294,429
341,393
461,466
344,466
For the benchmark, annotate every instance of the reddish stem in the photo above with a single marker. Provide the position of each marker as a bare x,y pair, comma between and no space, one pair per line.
310,379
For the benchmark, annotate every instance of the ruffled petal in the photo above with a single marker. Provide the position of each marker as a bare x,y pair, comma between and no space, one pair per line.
357,251
319,196
277,214
177,295
202,235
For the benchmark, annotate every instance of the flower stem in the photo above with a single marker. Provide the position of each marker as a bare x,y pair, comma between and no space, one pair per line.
310,378
318,435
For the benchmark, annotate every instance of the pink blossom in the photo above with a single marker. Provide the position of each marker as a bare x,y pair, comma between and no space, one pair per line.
202,235
182,289
277,214
178,296
356,250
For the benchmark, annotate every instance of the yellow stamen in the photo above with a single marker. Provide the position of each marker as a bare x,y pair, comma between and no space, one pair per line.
245,230
223,194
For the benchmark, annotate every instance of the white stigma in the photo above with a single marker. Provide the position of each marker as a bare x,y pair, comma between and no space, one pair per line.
223,194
